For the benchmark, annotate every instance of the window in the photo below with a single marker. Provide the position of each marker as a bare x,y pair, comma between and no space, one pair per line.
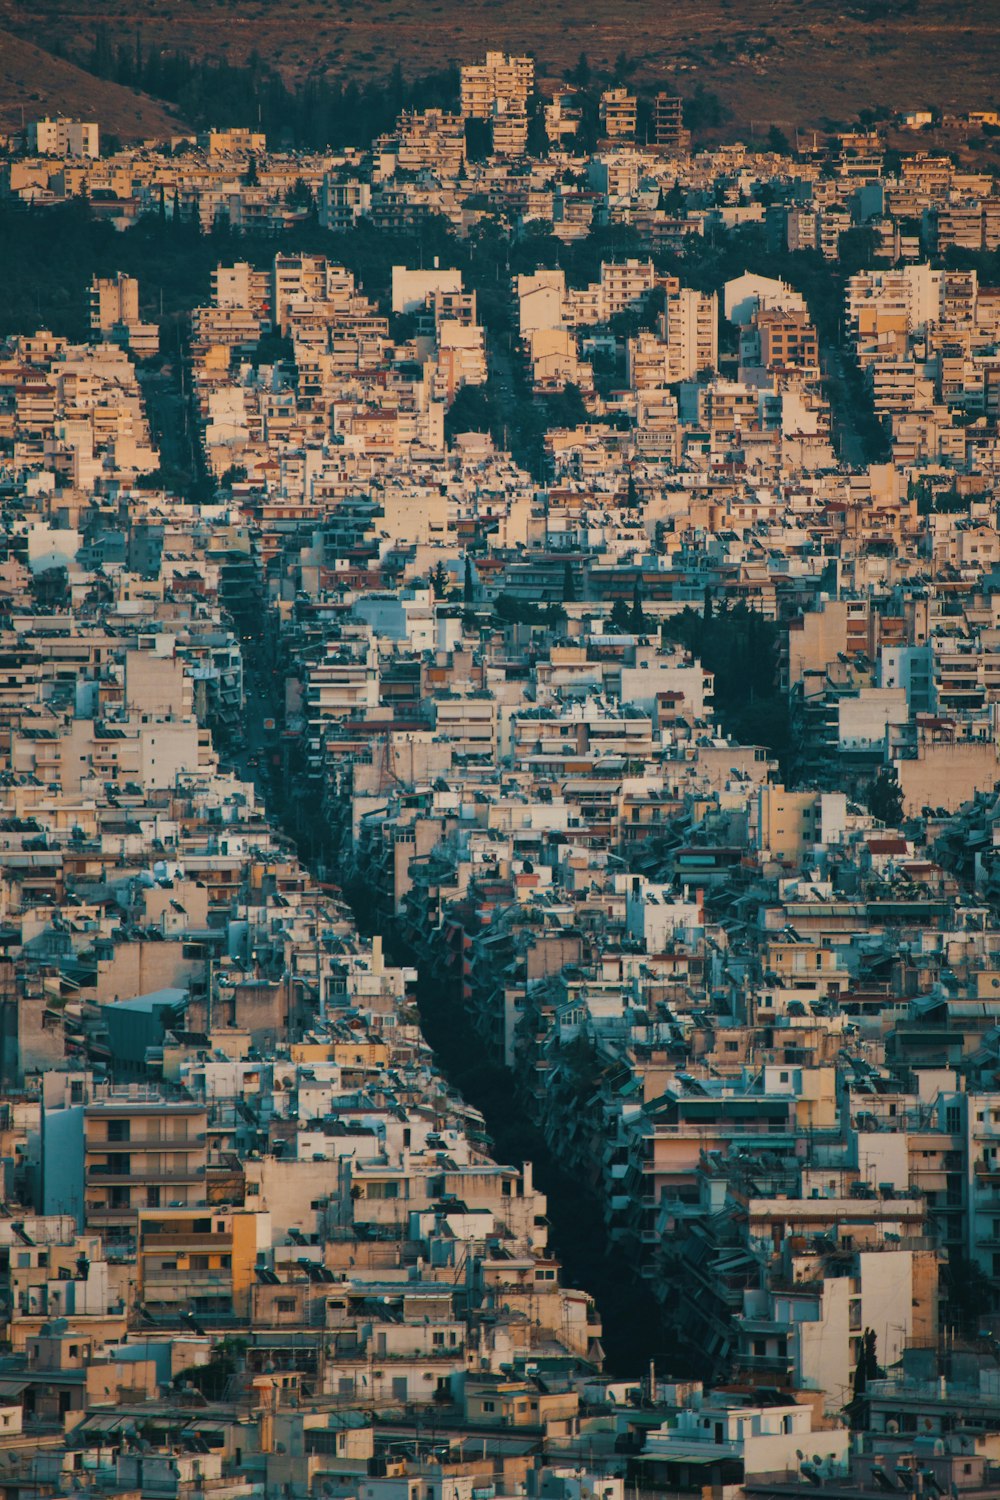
376,1190
284,1304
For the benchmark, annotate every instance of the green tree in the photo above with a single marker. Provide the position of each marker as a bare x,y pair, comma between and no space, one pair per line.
885,797
471,411
739,646
580,75
439,581
567,409
637,619
620,619
866,1369
299,195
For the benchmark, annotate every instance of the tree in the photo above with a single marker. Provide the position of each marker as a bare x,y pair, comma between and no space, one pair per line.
637,619
566,408
299,195
471,411
569,583
674,201
866,1369
439,581
707,610
538,139
478,139
620,617
858,248
580,75
885,797
468,586
739,647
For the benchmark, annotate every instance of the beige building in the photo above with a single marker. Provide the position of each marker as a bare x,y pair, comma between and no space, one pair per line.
141,1151
618,114
64,138
500,80
113,299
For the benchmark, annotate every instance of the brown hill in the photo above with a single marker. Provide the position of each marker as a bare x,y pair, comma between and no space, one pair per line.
785,62
33,83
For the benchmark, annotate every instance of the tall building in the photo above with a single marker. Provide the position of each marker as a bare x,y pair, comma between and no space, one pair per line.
114,314
691,330
64,138
668,123
618,114
510,130
501,82
114,300
241,286
141,1151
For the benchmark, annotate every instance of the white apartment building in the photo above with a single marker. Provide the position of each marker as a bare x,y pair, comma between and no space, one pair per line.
690,326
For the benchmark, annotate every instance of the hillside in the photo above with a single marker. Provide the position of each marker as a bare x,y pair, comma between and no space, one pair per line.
785,62
33,83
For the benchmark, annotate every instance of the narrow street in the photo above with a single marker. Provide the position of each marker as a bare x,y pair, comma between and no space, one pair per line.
848,443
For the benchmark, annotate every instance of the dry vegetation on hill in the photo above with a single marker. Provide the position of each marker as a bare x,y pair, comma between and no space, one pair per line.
33,83
773,61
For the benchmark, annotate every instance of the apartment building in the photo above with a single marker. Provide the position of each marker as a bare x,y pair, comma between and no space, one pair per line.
690,327
62,137
499,84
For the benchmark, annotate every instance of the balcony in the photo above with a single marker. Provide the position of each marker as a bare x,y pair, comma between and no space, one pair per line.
773,1364
148,1143
165,1242
111,1176
184,1279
